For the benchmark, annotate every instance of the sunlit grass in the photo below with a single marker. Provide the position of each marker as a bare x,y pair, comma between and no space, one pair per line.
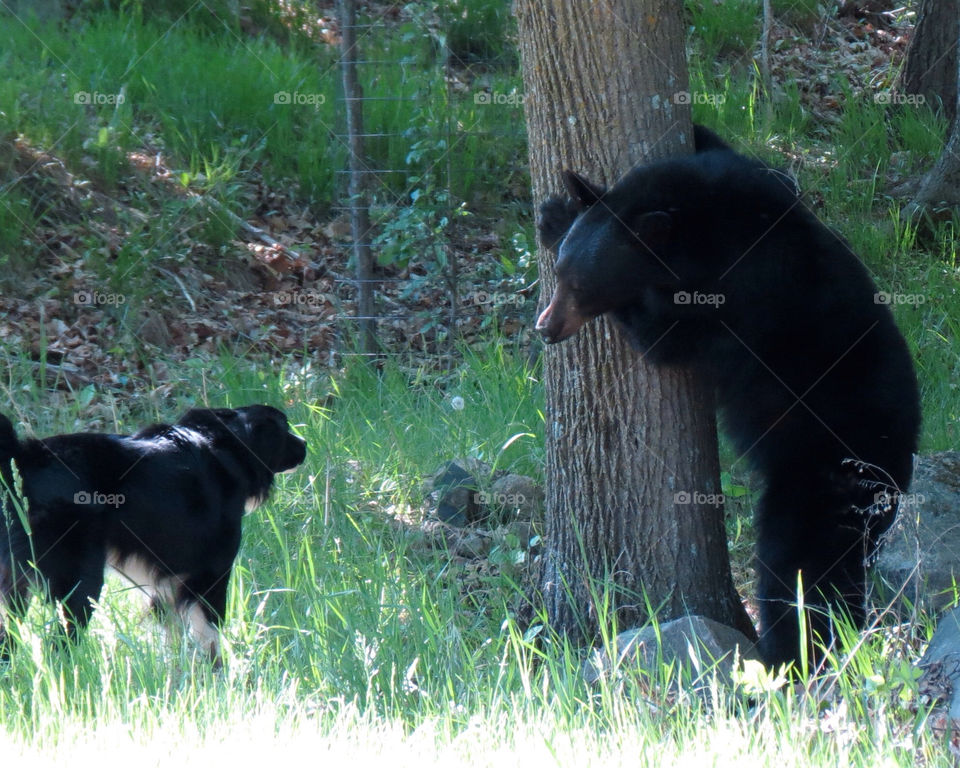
347,638
346,635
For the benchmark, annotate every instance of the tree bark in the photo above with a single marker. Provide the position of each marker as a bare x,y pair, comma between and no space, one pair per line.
930,69
941,185
623,439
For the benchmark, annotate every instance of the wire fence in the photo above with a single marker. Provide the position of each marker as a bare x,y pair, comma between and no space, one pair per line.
435,196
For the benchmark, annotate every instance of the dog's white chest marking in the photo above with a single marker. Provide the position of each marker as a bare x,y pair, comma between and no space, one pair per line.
161,592
143,576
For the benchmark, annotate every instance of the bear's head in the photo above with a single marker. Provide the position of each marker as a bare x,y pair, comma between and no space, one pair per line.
613,246
661,246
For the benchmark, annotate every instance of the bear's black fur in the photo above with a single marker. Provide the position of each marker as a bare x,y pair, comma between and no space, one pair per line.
712,259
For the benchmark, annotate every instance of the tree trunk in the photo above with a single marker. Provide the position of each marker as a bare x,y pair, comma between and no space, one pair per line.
625,442
931,66
941,186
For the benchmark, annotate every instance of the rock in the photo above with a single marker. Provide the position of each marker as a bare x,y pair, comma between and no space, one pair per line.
456,490
155,330
467,491
517,496
920,555
940,681
702,645
472,544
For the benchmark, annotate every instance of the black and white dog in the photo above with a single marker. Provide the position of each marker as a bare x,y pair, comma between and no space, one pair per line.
163,507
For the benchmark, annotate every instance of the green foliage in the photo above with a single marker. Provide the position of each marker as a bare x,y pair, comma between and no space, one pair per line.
724,28
417,232
116,81
479,31
920,129
17,221
210,16
862,133
801,13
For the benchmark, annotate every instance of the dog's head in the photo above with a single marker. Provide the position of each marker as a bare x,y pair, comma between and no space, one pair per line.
255,435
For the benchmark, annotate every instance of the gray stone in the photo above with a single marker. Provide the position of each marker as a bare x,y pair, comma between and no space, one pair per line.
941,665
456,491
517,494
703,646
920,558
467,491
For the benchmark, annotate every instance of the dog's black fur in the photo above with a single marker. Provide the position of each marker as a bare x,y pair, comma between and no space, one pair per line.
163,507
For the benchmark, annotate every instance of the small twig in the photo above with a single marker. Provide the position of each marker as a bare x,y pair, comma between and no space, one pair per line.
183,288
66,372
248,227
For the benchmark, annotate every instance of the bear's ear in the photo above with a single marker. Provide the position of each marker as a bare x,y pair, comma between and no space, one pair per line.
705,140
653,228
584,193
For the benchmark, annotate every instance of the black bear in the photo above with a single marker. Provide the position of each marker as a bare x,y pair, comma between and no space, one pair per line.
713,260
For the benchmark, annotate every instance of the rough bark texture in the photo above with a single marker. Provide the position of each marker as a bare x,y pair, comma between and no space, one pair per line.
941,186
623,439
931,66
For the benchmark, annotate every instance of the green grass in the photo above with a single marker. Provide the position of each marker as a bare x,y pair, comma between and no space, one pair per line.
205,97
801,13
348,635
724,28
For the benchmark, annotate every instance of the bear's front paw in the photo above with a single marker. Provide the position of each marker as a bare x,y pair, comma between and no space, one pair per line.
556,216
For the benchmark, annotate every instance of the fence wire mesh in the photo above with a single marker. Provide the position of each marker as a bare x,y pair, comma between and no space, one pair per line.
433,195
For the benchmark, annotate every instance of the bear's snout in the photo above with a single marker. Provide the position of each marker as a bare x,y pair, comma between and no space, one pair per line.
561,319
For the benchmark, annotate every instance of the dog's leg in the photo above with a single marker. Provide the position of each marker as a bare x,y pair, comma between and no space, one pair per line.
73,568
14,599
74,591
203,631
16,574
202,605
